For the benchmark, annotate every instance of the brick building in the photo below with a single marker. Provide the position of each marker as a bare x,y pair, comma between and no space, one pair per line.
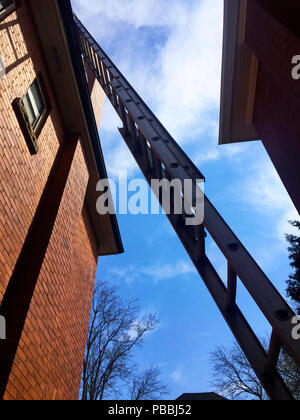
51,159
261,84
50,234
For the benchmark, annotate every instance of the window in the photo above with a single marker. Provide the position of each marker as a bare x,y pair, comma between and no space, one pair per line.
32,111
34,104
6,6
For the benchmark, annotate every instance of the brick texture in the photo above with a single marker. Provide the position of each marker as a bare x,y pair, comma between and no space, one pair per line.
49,358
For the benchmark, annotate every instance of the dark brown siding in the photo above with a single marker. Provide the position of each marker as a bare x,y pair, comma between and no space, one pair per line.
274,40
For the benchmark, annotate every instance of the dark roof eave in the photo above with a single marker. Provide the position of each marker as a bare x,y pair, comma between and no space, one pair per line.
75,53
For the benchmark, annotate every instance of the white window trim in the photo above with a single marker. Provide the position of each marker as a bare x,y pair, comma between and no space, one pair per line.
33,103
40,119
8,10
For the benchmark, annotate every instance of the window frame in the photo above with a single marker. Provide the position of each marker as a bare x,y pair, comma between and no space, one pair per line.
31,131
39,122
8,10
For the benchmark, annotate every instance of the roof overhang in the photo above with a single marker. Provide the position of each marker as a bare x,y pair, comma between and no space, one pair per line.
239,77
54,23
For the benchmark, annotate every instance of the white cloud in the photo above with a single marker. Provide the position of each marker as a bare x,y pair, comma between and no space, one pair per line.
156,272
178,376
110,120
168,271
265,192
178,75
182,80
189,88
134,329
211,151
135,12
119,159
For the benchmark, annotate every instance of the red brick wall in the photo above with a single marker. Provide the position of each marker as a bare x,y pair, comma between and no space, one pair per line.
22,176
52,346
49,359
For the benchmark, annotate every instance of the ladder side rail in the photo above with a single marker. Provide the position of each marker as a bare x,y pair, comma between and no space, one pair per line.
244,265
245,336
271,303
193,171
142,131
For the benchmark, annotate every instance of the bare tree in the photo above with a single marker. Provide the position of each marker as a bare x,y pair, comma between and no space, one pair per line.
115,329
234,377
290,373
148,385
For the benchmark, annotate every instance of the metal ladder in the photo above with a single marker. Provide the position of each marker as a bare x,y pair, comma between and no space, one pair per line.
160,157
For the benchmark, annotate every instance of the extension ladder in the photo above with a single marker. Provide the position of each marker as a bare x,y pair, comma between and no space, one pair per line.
160,157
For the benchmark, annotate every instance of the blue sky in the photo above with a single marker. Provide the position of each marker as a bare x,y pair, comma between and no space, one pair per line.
170,51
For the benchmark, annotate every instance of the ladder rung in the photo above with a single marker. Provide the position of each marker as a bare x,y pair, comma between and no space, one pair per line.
273,354
144,148
133,133
124,117
157,167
